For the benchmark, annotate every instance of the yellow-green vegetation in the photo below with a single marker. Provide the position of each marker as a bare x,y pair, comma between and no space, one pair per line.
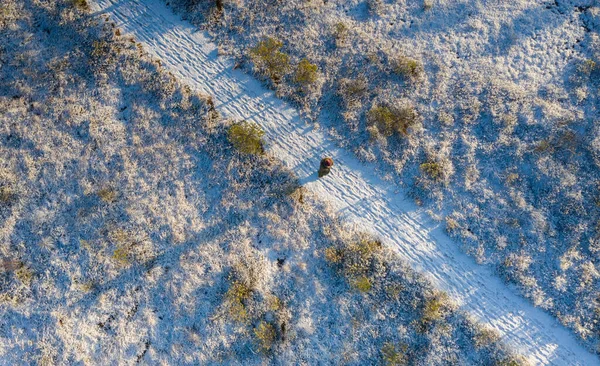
587,67
394,356
81,4
512,361
25,275
121,255
354,261
340,32
484,337
352,90
108,195
362,284
389,120
124,241
265,336
408,68
435,308
433,170
246,137
6,195
269,59
236,298
306,73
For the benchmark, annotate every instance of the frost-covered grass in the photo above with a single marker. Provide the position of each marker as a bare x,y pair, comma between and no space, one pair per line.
133,231
484,111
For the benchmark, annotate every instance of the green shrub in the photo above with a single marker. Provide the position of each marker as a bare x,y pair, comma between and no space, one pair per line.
435,307
387,120
408,68
485,337
354,261
25,275
236,296
433,170
269,59
512,361
246,137
392,356
108,195
306,73
587,67
340,33
7,195
362,284
352,90
265,335
81,4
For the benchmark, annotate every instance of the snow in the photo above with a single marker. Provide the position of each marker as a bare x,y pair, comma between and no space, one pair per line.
355,190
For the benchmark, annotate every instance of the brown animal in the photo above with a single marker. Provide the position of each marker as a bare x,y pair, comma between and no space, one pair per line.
325,167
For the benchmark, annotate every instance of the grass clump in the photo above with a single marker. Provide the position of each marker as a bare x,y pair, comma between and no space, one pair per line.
265,335
352,90
246,137
435,309
7,195
25,275
108,195
355,262
237,295
269,59
306,73
394,356
386,120
433,170
340,33
410,69
81,4
485,337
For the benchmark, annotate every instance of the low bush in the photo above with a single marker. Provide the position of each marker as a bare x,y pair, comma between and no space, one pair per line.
410,69
394,356
269,60
355,262
265,335
81,5
340,33
389,120
433,170
236,297
306,73
246,137
352,90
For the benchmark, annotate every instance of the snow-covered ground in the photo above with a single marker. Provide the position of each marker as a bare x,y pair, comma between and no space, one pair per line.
353,188
504,146
133,232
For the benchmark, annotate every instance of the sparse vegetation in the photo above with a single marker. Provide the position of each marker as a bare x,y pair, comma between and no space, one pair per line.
389,120
265,334
269,59
194,205
306,73
433,170
408,68
246,137
394,356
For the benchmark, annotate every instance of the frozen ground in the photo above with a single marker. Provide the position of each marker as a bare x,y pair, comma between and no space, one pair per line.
485,112
132,232
353,188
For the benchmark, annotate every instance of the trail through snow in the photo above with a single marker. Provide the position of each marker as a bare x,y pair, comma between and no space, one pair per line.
352,188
